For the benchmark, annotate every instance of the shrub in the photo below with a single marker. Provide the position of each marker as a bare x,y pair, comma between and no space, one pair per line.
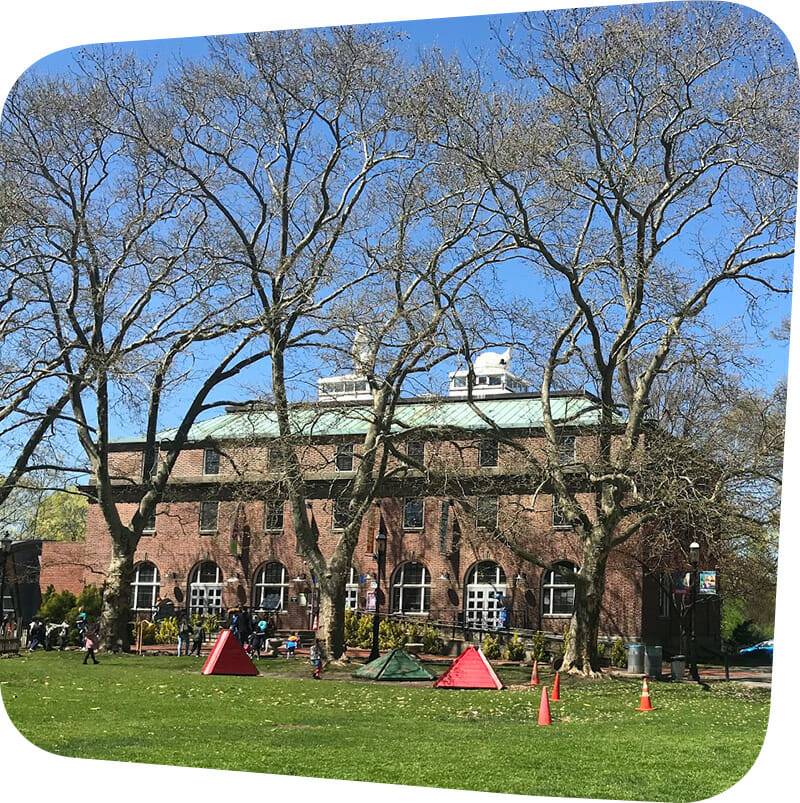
432,642
515,649
351,620
538,646
618,656
56,606
364,632
148,631
391,634
166,631
491,647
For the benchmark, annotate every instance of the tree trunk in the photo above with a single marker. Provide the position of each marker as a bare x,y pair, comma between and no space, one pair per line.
114,624
331,618
580,654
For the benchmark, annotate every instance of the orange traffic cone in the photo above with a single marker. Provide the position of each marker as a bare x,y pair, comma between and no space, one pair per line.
544,709
644,702
535,674
556,696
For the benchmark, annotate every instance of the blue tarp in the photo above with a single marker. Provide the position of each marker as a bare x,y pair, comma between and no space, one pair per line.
762,646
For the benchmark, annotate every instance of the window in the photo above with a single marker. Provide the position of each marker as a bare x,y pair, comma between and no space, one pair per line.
486,512
150,523
273,515
411,589
205,588
565,446
351,591
413,514
270,587
344,457
416,451
486,591
495,380
144,588
209,512
560,520
487,452
459,381
210,461
664,595
558,589
341,513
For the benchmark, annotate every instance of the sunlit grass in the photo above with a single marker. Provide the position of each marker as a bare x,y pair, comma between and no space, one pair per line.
161,710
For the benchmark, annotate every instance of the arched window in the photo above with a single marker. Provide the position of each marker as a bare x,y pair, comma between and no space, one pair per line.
351,590
411,589
270,587
486,590
205,588
558,589
145,585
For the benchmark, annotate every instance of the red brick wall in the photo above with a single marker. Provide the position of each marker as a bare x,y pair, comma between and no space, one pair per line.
65,566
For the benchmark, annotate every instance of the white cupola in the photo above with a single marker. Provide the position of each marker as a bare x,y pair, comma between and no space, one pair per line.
492,377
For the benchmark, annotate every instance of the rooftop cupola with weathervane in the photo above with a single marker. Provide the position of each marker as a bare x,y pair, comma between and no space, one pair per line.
352,387
492,376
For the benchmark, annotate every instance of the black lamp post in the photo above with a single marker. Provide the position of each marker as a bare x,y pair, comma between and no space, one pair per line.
380,557
694,560
5,548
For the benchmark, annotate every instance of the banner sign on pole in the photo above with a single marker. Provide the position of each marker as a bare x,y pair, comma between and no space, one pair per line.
708,582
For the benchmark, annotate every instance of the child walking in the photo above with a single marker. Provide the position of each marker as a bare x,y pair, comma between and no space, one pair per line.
315,655
90,642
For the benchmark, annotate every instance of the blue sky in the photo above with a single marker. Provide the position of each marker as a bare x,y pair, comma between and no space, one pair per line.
462,36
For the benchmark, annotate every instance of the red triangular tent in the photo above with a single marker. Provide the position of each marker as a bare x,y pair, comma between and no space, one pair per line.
470,670
228,658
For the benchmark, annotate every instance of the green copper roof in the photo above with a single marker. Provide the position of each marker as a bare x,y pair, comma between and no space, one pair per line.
510,412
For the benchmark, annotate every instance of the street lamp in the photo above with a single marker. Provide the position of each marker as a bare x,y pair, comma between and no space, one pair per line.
380,557
5,549
694,560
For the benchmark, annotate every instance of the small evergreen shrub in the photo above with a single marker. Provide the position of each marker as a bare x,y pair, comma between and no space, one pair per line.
491,647
617,655
166,631
515,649
539,646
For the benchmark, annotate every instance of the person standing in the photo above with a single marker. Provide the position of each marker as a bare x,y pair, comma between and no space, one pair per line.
184,636
199,638
291,644
63,635
315,655
90,642
236,625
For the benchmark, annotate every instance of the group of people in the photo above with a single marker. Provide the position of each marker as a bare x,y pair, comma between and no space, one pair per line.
190,638
51,635
48,635
251,634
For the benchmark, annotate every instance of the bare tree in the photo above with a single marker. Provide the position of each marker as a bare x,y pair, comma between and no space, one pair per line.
645,164
138,316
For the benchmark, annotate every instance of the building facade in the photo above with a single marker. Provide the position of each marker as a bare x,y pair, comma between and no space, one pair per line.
223,536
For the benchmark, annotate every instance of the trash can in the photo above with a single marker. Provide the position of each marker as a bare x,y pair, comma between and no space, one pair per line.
635,659
653,657
678,667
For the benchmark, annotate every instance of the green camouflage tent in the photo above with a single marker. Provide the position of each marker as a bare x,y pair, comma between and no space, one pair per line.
395,665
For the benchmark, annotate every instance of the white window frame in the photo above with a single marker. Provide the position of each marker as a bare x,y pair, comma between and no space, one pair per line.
421,444
209,592
481,525
137,584
206,452
563,457
277,503
415,527
149,528
485,442
282,587
204,529
560,524
481,602
344,450
549,583
351,591
398,582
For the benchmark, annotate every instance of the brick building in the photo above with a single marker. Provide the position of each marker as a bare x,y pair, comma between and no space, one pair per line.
223,535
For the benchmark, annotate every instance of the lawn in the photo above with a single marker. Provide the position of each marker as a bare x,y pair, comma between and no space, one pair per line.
161,710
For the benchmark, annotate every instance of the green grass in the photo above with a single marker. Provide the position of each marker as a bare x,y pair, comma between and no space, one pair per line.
161,710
